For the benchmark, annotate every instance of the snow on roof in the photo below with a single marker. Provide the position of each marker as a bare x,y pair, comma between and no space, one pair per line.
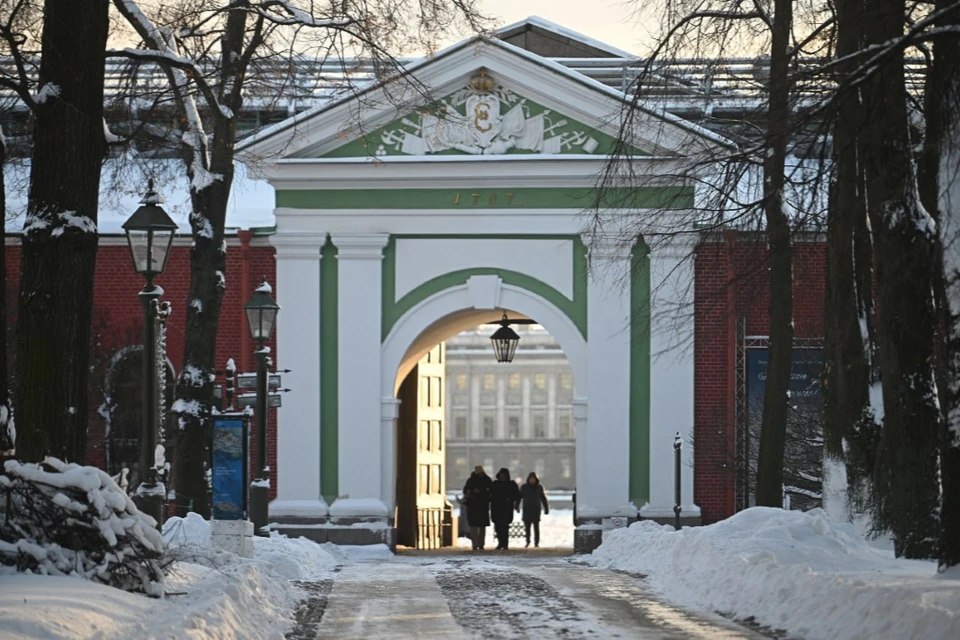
560,30
122,186
494,41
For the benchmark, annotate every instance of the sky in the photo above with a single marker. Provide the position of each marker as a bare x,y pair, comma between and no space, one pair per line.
611,21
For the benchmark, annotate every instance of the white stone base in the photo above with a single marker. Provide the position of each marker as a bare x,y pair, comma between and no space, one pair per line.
298,508
359,508
235,536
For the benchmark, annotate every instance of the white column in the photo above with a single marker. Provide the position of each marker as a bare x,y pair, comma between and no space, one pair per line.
551,431
361,483
526,423
298,349
389,412
606,490
671,378
501,426
476,433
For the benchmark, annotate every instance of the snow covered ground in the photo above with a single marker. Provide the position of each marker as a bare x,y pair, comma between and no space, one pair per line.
210,594
792,571
556,532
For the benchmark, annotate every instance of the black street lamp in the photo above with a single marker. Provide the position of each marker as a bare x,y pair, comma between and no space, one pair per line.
150,234
504,341
261,311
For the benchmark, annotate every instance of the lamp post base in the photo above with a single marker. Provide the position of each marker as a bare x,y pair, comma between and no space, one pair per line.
149,500
259,505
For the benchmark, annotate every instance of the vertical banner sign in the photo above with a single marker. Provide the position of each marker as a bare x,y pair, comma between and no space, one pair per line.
803,421
229,468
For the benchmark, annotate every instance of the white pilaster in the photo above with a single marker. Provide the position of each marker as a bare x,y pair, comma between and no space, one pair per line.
671,378
298,349
607,459
361,483
389,412
581,435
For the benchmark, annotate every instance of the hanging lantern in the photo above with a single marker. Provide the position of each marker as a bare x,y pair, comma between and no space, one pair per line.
504,341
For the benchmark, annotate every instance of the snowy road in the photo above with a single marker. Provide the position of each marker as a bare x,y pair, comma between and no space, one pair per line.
517,595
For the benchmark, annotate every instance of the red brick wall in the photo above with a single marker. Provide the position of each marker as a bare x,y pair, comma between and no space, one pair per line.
731,283
117,319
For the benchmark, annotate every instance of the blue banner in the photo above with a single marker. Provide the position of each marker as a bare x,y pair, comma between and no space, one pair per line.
229,469
805,374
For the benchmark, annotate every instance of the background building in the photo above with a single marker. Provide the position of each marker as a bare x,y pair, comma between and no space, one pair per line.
517,415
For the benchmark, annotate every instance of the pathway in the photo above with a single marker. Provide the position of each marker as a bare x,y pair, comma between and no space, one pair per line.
541,594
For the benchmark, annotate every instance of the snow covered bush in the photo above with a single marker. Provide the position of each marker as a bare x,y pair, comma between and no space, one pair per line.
66,519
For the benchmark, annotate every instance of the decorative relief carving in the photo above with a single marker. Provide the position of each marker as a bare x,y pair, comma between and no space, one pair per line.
484,118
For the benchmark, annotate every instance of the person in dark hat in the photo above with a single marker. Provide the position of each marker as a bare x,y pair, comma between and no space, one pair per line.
504,500
532,496
476,495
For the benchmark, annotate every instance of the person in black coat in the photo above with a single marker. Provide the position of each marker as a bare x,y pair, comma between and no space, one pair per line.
533,497
504,500
476,495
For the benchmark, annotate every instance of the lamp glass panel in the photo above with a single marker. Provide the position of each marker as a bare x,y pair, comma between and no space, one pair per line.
162,243
139,242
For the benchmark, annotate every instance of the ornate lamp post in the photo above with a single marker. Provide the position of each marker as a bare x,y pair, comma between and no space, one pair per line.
150,234
505,341
261,311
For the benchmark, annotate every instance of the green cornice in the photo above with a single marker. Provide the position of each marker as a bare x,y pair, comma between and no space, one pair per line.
577,198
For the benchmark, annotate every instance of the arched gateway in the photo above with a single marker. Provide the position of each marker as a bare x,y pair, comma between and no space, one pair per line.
397,227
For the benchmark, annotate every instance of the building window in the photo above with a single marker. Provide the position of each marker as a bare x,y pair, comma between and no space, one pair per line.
461,465
488,427
564,426
565,468
539,426
461,379
514,381
566,381
513,425
460,427
489,382
540,381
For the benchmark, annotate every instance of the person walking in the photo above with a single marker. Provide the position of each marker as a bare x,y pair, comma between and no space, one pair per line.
476,495
504,500
532,497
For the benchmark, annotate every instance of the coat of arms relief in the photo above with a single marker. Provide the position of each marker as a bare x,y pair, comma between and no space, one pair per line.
484,118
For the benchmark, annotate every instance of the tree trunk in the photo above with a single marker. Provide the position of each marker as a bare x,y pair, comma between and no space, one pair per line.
773,430
905,485
940,185
59,245
6,416
210,194
851,431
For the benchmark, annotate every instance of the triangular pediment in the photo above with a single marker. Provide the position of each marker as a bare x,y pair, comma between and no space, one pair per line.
483,117
497,99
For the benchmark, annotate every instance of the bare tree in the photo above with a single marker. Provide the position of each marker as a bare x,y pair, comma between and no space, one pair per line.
18,31
207,50
59,244
940,188
762,183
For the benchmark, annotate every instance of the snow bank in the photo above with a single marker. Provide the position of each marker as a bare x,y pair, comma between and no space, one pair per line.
293,559
210,593
240,601
790,570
